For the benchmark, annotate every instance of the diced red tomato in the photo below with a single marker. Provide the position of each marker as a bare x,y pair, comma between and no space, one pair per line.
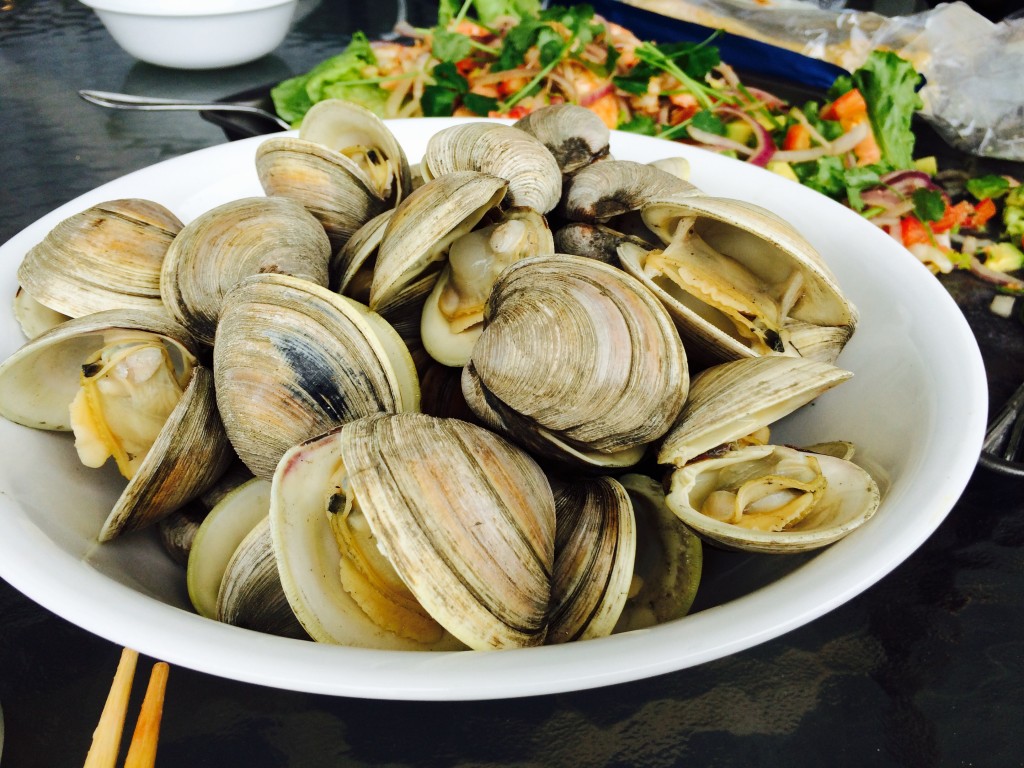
512,85
797,137
850,105
849,110
954,216
914,231
983,211
465,66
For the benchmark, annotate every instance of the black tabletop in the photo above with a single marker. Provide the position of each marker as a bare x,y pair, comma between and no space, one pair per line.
925,668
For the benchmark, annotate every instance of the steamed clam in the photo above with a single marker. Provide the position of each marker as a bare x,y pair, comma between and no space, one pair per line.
108,256
345,167
578,361
130,387
432,533
734,488
741,282
293,359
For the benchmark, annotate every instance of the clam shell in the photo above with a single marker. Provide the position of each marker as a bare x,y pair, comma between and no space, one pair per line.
595,550
574,135
669,559
533,176
417,237
251,595
763,254
611,188
849,499
106,257
730,400
582,351
244,237
293,359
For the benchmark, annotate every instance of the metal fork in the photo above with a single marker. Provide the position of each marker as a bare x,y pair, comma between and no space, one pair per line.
151,104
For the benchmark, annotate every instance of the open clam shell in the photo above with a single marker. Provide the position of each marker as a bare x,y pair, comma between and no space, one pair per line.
772,499
732,400
292,360
612,188
741,282
669,559
418,514
189,450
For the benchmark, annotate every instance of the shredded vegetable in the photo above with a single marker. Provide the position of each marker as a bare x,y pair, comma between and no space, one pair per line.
506,58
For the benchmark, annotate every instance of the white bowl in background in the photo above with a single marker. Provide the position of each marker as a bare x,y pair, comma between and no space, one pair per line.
196,34
915,408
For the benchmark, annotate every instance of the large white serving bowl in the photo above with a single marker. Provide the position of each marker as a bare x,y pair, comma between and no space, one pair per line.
915,407
196,34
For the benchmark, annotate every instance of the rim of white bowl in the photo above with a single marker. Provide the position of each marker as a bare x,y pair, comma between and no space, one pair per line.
183,7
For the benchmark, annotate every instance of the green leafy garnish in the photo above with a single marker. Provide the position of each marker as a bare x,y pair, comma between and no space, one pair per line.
929,204
450,46
640,124
486,10
338,77
689,63
988,187
888,84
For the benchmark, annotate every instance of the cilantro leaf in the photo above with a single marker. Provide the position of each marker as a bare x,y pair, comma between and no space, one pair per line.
450,46
640,124
706,120
929,204
441,98
480,105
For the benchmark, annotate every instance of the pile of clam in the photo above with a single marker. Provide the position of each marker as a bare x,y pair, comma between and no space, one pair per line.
445,406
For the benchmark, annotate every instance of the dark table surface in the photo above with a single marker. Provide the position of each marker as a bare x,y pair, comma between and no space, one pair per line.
925,668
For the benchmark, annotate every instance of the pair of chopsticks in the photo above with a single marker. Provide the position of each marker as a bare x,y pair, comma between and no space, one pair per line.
106,739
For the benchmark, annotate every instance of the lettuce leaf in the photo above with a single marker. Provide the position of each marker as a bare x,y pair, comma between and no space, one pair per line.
339,77
889,85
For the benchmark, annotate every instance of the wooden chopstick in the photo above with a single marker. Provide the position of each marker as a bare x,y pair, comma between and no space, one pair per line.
106,739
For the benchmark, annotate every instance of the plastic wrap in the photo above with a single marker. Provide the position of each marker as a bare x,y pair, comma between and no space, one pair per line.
972,66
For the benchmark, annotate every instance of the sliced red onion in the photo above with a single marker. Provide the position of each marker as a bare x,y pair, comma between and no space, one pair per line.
714,141
995,276
601,92
765,148
905,182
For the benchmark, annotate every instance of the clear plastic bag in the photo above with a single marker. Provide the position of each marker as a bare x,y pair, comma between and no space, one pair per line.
973,67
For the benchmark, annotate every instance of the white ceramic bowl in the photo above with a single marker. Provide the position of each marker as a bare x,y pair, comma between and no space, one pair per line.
196,34
915,407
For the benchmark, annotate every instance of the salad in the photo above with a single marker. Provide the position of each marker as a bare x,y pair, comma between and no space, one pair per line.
505,58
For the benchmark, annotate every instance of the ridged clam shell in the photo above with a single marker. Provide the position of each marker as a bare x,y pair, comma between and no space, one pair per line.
730,400
190,451
417,237
849,499
214,251
770,251
322,180
574,135
669,559
611,188
595,550
533,176
106,257
293,359
466,519
343,126
580,350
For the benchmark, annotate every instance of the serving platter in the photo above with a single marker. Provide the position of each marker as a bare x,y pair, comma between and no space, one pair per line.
915,407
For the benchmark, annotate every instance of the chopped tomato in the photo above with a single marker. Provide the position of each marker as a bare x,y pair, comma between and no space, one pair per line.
512,85
465,66
850,105
470,29
983,211
914,231
515,113
797,137
954,216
